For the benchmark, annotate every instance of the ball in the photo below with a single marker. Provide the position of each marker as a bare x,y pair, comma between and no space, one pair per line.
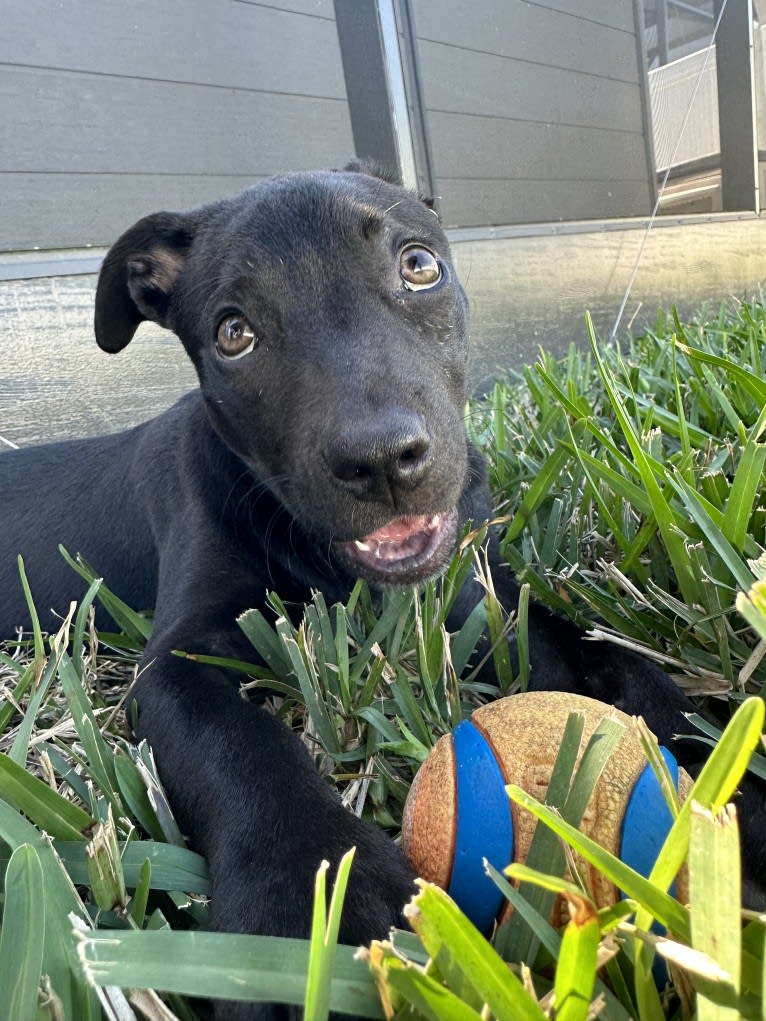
458,812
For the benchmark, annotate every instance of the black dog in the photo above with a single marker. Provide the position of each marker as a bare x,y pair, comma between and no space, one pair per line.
326,443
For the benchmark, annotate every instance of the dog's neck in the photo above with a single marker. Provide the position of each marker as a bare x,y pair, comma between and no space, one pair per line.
296,562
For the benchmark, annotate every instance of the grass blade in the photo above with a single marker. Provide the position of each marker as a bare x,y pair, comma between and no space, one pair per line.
745,488
661,509
303,667
715,894
81,623
663,907
698,513
133,790
712,789
542,485
105,873
59,959
569,791
173,868
576,969
213,964
36,629
99,754
137,628
463,956
324,939
422,996
752,605
58,817
749,382
141,896
21,948
42,682
28,677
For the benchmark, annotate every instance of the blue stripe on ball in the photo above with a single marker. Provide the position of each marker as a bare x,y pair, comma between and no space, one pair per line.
484,827
647,819
645,827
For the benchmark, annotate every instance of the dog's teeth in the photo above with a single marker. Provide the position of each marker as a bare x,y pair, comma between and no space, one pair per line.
361,545
436,520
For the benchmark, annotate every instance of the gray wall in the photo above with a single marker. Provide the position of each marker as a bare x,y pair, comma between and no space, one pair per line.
534,111
113,108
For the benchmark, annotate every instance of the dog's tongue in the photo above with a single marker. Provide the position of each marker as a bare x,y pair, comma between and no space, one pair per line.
402,537
400,529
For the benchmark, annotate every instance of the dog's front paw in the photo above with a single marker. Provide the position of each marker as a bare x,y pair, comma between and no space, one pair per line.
273,894
266,886
380,885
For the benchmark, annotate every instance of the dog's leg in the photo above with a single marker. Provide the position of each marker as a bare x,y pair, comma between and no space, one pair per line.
247,794
243,786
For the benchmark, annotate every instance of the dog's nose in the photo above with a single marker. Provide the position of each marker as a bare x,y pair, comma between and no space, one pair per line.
374,458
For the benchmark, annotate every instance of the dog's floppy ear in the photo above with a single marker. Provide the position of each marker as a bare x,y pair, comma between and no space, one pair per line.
138,275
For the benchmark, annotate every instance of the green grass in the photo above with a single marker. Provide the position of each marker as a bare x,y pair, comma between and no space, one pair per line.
634,481
633,484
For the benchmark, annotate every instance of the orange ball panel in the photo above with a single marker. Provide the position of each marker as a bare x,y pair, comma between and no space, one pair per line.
428,826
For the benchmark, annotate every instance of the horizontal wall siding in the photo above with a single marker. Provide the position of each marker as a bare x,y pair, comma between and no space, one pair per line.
158,105
53,211
537,34
546,152
612,13
486,85
516,201
540,103
224,136
214,42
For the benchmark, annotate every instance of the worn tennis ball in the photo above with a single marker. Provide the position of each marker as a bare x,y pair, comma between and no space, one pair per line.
458,812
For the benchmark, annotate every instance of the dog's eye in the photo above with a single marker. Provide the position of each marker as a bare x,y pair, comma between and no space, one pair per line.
236,337
419,268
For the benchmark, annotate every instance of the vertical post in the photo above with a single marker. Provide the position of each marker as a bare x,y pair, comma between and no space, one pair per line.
372,69
410,58
397,92
642,62
661,14
736,105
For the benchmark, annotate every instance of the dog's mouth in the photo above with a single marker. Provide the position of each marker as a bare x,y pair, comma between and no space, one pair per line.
404,551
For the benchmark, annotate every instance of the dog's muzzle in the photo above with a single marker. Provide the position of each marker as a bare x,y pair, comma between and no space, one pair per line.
404,551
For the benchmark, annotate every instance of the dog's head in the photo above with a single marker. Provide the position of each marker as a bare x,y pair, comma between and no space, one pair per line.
328,330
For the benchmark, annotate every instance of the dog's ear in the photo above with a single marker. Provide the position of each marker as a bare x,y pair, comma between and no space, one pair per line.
374,169
138,275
